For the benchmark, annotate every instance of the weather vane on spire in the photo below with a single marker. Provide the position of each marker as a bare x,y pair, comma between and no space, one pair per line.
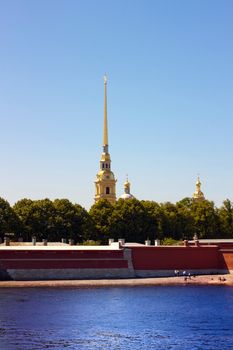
105,78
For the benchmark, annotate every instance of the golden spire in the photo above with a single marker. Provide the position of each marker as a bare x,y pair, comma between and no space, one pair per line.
105,134
127,185
105,183
198,195
198,184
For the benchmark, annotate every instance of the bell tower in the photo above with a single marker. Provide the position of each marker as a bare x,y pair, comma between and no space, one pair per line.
105,184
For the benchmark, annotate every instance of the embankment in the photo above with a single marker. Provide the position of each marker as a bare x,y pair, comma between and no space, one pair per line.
220,280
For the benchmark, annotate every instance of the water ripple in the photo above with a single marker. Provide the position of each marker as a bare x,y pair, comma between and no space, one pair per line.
163,318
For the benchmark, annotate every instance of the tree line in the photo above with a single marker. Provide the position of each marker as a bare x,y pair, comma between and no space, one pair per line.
131,219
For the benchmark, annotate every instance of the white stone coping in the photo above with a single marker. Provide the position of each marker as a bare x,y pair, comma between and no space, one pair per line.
132,244
212,241
59,247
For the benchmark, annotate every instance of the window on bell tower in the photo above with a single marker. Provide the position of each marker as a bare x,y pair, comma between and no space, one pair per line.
107,190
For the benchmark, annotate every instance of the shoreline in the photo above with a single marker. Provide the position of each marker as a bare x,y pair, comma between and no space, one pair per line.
226,280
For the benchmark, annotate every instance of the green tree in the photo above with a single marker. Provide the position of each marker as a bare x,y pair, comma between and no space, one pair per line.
23,209
53,220
206,219
130,220
100,214
186,220
155,219
37,218
172,221
71,221
226,219
9,222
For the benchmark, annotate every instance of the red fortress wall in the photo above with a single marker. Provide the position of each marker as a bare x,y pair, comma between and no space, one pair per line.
133,261
226,259
45,264
164,260
170,258
62,259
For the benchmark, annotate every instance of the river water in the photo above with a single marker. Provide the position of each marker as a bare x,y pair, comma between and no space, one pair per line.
182,317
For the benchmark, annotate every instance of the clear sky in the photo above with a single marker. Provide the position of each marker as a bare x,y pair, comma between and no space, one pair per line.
170,97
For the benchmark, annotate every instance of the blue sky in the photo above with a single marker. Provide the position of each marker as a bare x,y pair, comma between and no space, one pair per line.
170,101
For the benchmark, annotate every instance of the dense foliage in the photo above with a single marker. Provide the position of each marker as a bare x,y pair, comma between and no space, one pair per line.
132,219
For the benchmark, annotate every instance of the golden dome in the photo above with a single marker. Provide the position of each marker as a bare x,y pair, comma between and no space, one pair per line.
126,194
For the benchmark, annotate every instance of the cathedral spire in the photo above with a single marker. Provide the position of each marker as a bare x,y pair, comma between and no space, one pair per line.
105,183
105,132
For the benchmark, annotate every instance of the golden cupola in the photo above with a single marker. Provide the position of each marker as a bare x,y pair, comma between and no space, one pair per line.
105,184
127,194
198,195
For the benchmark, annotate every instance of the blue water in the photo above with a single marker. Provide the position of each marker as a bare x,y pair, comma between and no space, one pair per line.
193,317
